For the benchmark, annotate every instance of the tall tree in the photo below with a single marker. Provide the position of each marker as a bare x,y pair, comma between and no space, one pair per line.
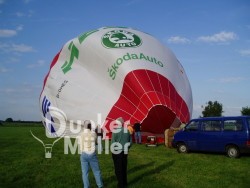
9,120
212,109
245,111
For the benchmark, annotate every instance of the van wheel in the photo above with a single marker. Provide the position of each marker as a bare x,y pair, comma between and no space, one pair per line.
233,151
182,148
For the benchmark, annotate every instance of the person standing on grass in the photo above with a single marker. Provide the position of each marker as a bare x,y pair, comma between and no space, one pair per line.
137,127
99,133
131,130
121,142
88,155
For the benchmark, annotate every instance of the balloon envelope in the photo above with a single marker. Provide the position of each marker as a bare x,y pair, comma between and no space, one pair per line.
116,72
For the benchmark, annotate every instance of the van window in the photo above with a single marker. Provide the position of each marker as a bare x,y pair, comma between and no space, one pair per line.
233,125
192,126
214,125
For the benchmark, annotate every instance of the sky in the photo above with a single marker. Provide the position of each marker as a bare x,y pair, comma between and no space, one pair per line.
211,39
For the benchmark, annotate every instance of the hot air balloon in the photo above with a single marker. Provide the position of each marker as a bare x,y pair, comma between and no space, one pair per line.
116,72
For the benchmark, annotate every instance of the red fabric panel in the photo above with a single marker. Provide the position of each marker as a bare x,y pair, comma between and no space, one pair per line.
155,105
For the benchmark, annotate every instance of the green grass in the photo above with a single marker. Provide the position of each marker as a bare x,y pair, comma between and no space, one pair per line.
23,164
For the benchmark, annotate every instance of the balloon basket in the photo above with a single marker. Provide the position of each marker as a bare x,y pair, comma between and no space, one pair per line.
151,141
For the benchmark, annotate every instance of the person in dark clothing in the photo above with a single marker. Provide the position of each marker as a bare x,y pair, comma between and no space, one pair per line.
137,128
99,133
120,143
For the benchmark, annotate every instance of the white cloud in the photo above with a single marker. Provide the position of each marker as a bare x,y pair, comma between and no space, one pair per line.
231,79
231,111
8,90
197,110
10,32
19,28
4,70
7,33
219,91
7,47
178,40
245,52
22,14
26,1
227,80
19,14
3,46
40,63
20,89
12,59
222,37
22,48
131,3
30,13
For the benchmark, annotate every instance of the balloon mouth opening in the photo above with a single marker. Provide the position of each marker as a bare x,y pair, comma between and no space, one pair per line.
157,106
159,119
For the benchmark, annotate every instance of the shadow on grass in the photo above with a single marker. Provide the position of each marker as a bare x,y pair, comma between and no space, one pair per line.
217,153
111,179
140,167
148,171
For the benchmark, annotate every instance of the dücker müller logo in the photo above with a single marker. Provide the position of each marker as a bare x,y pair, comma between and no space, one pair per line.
47,147
120,39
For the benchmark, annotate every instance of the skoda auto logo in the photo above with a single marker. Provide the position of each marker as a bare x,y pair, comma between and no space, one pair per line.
120,39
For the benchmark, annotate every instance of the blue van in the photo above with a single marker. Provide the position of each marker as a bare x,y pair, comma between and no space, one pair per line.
215,134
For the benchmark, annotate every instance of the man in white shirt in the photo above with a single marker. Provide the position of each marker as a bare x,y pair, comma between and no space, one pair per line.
88,155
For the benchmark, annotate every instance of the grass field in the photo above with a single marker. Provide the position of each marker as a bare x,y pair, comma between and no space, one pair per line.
23,164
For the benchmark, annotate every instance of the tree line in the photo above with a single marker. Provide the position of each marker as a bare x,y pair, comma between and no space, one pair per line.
19,121
212,109
215,108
